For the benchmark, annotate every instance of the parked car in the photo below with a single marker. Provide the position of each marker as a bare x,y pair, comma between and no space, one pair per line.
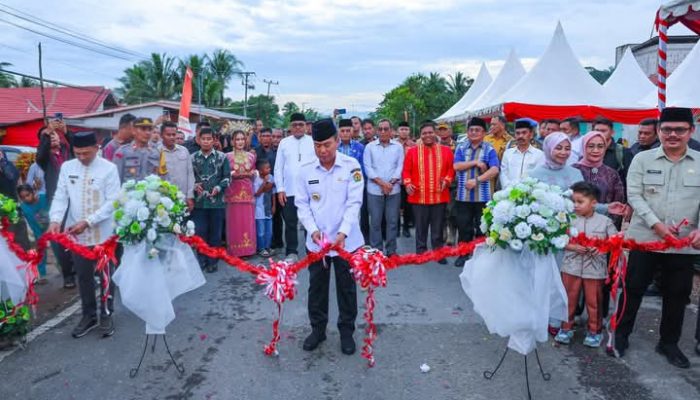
13,152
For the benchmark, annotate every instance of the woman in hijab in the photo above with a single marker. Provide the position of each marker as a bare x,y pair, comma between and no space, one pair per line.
554,171
612,191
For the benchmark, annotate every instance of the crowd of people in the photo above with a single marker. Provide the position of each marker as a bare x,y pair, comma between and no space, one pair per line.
358,182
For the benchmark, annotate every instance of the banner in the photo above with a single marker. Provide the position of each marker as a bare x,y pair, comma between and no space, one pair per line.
183,120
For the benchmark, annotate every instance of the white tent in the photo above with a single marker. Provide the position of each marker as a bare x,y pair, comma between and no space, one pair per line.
557,79
683,86
511,73
482,81
628,84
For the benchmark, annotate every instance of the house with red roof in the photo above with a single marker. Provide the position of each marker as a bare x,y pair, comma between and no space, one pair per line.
21,113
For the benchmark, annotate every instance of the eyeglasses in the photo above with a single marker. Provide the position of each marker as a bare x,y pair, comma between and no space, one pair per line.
383,129
678,131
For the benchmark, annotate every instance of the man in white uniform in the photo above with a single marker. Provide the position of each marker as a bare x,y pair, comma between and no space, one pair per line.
328,198
87,187
292,153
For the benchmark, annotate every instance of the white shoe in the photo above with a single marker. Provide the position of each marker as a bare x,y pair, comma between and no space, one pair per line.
291,258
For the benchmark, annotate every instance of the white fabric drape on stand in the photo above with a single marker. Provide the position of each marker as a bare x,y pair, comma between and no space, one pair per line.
13,285
147,286
515,293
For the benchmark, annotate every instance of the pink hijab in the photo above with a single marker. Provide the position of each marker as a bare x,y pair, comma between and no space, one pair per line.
550,142
584,142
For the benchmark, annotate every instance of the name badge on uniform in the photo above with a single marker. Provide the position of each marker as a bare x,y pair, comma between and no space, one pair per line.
313,182
315,197
654,171
73,178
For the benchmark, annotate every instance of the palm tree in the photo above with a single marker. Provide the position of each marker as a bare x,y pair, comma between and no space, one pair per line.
458,84
201,76
6,80
153,79
224,66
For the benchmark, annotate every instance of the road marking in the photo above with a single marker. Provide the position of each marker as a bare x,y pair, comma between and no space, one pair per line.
43,328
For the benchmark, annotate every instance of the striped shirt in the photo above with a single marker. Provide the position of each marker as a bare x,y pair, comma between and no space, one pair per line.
483,152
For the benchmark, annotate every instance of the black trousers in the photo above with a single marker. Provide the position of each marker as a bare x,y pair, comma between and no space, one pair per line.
64,258
364,217
85,271
277,228
291,221
429,218
677,277
346,294
468,218
406,211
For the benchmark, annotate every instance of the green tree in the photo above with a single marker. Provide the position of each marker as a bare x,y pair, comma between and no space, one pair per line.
262,107
6,80
421,97
150,80
223,65
600,75
288,109
458,84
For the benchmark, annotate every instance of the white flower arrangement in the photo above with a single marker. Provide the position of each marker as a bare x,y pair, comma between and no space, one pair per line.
149,208
530,213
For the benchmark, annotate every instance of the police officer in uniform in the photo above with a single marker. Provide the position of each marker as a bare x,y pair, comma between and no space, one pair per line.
328,201
139,158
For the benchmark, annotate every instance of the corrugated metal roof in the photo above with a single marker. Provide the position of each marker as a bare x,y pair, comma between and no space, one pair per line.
171,105
24,104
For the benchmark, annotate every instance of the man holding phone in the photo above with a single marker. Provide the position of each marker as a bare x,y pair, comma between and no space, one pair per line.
54,149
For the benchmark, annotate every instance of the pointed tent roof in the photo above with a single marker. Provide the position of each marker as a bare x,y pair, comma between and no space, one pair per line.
628,84
557,79
683,86
482,81
511,73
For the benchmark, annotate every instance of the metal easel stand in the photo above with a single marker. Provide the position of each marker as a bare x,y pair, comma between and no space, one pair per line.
179,367
545,376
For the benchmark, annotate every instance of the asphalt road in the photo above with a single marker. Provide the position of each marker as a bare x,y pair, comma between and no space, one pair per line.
423,317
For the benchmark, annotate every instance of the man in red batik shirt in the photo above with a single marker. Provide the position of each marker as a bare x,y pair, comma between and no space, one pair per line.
427,174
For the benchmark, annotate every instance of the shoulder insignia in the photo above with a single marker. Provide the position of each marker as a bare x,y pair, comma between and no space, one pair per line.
357,175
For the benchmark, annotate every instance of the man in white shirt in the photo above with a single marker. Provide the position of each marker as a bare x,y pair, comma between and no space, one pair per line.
571,126
292,153
87,187
383,161
518,161
329,197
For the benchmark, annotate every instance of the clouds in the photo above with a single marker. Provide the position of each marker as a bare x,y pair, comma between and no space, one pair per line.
329,53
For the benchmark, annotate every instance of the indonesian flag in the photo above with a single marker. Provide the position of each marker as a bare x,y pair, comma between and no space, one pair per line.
183,120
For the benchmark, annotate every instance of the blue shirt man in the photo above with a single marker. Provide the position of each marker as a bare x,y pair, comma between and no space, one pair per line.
348,146
477,166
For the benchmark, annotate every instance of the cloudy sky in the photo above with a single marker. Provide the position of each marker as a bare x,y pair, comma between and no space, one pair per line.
324,53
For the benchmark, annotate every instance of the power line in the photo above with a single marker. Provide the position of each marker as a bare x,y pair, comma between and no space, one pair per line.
52,81
55,61
69,42
46,24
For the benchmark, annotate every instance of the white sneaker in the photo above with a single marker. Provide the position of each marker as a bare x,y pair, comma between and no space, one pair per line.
291,258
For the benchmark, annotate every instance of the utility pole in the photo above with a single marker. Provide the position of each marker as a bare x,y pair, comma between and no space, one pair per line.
245,84
268,85
41,83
